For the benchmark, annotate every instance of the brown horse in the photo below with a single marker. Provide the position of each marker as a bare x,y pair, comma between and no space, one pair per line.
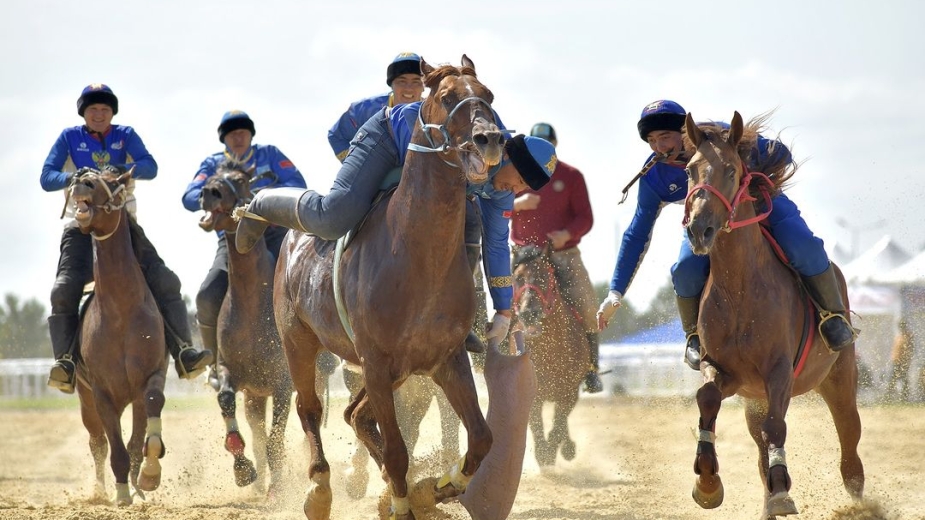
122,342
559,347
250,353
753,314
407,291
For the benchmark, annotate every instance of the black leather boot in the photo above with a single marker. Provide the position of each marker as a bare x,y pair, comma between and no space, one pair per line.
833,326
278,206
188,361
210,342
689,310
593,382
63,331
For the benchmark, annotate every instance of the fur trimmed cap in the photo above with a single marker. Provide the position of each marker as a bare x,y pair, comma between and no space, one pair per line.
545,131
534,158
97,93
661,115
234,120
404,63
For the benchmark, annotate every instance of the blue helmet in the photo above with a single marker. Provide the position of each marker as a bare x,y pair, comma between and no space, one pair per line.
97,93
534,158
234,120
661,115
404,63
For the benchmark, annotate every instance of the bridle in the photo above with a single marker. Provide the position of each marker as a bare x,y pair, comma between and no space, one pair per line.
446,147
110,205
547,297
742,195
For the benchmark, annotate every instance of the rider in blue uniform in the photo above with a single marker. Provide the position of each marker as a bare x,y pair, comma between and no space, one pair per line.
660,126
378,147
404,77
272,169
99,144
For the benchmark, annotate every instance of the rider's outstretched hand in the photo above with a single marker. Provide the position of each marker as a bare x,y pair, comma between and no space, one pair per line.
608,307
498,327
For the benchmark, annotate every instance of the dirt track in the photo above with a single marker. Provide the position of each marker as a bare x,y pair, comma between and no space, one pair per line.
634,462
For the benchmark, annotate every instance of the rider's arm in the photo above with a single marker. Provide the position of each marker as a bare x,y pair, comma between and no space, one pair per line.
496,215
138,156
287,174
54,177
636,238
583,218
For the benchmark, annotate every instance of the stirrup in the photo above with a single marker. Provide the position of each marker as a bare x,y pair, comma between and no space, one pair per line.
63,375
825,316
200,365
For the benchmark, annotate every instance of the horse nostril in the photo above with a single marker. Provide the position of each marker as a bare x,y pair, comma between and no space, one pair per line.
480,139
708,233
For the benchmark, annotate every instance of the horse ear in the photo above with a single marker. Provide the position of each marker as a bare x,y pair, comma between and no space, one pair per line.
466,62
735,130
124,178
426,68
693,133
250,171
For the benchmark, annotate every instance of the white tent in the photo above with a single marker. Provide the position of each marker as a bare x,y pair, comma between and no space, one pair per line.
882,257
911,272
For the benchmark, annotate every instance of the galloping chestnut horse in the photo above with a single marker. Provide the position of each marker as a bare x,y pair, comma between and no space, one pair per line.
753,316
122,341
250,353
557,341
407,292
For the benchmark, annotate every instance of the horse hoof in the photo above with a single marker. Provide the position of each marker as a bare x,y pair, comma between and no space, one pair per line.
568,449
317,504
244,471
709,500
357,481
780,504
446,493
123,496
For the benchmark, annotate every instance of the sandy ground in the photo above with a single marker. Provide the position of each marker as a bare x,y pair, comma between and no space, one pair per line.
634,461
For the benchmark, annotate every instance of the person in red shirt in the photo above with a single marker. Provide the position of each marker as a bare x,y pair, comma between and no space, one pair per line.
560,214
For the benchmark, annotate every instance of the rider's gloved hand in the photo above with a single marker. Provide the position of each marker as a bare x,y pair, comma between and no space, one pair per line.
498,327
608,307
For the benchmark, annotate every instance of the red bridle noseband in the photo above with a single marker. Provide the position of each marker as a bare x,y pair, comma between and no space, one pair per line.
741,195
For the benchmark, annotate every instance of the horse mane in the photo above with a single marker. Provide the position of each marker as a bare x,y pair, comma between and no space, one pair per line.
231,165
433,79
777,163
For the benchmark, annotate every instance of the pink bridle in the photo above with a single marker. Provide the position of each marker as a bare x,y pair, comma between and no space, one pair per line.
741,195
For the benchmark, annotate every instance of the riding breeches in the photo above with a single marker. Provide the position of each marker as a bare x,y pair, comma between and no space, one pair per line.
372,156
577,289
805,252
212,291
75,269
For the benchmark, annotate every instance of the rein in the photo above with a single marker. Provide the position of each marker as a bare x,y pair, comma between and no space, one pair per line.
741,196
546,299
445,147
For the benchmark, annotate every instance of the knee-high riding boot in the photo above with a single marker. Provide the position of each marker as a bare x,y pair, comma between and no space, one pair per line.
188,361
834,326
63,331
209,336
278,206
689,310
593,382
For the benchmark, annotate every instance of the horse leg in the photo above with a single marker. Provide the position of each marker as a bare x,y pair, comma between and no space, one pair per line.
839,391
153,449
244,471
411,403
381,399
779,387
301,347
118,458
755,413
255,411
449,427
560,431
544,455
99,446
276,444
455,378
357,473
708,488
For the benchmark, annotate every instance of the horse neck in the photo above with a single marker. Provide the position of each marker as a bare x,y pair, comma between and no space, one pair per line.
429,205
249,270
739,254
115,266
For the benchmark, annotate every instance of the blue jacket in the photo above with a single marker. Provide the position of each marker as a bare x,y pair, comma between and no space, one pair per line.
77,148
497,208
276,168
665,183
346,127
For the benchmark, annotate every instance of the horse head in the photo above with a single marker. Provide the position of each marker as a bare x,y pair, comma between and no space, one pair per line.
459,108
534,286
228,189
99,197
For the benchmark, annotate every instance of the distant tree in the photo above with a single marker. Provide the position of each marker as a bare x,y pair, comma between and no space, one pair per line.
23,330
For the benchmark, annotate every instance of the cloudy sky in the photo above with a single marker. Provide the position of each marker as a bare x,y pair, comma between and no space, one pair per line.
846,80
